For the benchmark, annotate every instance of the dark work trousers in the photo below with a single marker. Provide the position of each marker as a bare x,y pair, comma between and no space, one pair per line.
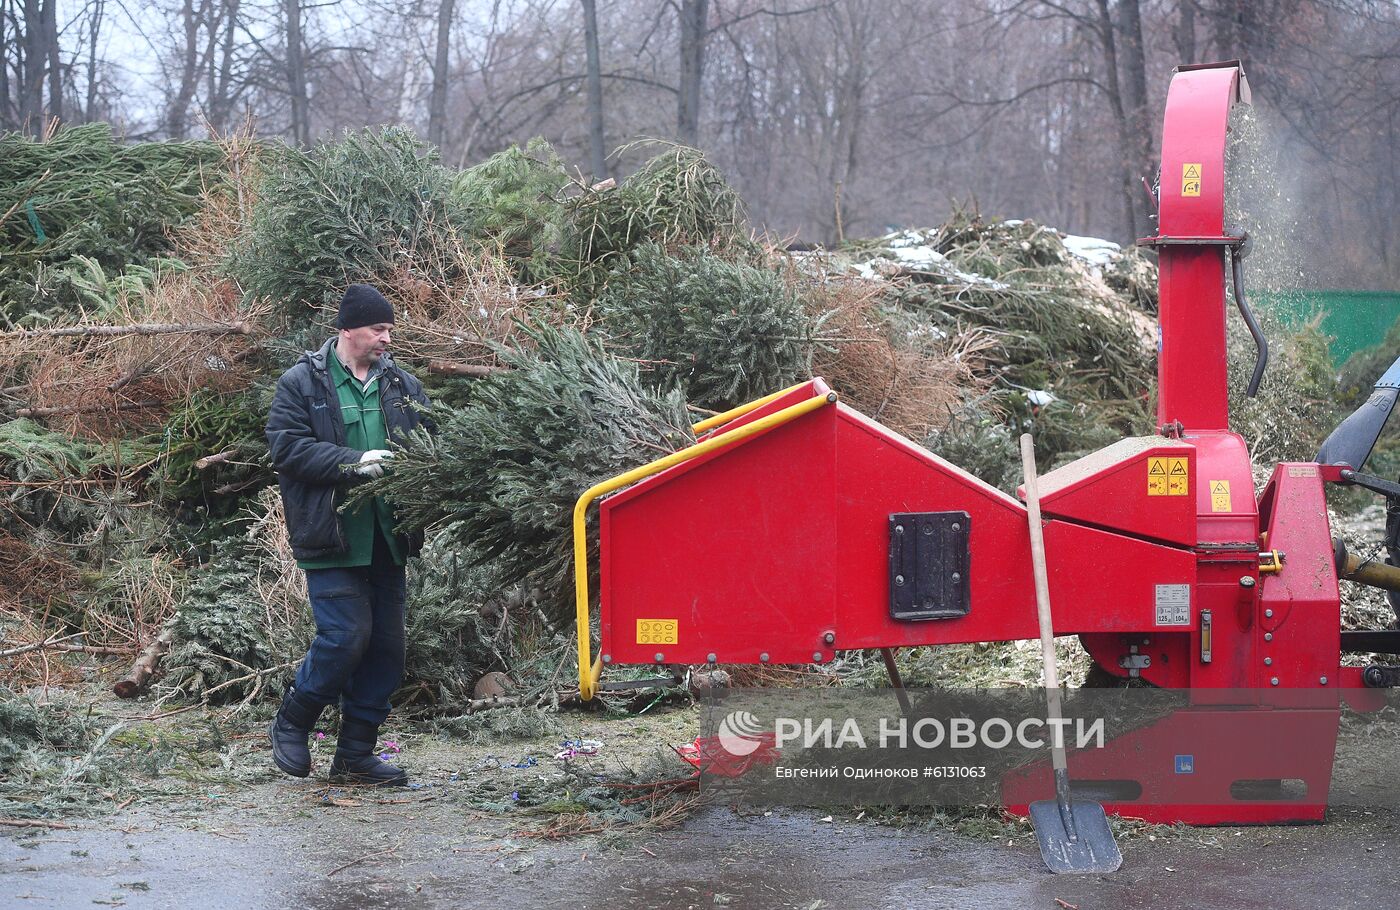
358,653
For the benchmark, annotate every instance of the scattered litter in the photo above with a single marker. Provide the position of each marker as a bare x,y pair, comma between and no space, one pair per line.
526,762
575,747
708,755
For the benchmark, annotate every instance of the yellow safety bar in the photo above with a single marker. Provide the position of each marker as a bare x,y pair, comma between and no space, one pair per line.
709,423
588,669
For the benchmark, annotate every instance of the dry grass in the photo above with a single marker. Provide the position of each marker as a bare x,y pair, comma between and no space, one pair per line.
773,676
459,306
281,586
31,579
910,384
149,589
106,385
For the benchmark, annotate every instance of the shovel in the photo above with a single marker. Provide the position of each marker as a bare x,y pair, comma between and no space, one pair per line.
1074,835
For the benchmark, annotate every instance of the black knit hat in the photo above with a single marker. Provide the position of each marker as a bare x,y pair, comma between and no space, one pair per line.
363,305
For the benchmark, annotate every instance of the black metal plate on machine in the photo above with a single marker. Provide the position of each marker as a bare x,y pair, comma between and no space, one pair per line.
929,562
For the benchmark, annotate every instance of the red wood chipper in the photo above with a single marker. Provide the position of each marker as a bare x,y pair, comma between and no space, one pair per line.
780,537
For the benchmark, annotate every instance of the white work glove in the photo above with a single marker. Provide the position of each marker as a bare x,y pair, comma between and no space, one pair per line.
372,462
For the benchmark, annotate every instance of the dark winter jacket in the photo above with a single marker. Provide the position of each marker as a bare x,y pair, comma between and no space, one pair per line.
306,438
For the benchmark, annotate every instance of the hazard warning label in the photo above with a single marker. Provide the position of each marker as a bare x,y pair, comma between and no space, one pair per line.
1191,179
1220,496
1167,477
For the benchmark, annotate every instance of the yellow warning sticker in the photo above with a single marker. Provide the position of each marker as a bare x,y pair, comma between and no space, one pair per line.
656,631
1156,477
1191,179
1167,477
1176,477
1220,496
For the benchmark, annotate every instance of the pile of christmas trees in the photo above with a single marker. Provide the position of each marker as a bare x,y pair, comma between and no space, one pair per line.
567,332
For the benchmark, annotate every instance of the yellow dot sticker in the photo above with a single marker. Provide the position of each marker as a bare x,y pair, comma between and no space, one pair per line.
1167,477
656,631
1220,496
1191,179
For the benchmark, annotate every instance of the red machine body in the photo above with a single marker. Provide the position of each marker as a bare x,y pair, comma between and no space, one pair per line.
779,547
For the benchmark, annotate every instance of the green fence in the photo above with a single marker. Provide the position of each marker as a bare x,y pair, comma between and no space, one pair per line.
1354,319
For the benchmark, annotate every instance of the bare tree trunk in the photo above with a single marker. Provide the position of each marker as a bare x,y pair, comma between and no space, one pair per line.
694,19
90,407
55,62
597,152
1109,43
95,12
475,370
177,113
853,122
209,70
1232,22
6,108
220,97
31,104
139,676
437,101
1134,60
1184,35
296,75
135,328
852,23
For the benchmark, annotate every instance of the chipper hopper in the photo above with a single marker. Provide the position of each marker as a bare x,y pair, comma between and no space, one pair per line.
797,527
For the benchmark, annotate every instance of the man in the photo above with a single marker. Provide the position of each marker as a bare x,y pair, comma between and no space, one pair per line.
331,421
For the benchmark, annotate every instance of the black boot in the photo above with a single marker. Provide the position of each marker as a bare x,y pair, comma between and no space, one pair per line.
289,731
355,761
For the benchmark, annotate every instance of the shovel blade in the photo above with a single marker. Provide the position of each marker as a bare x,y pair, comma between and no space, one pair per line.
1089,848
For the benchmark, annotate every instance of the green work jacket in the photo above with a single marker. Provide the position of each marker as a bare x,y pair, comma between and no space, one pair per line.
364,430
